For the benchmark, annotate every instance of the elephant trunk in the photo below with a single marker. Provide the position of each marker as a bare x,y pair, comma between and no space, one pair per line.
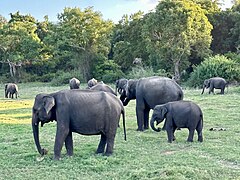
153,125
35,128
203,89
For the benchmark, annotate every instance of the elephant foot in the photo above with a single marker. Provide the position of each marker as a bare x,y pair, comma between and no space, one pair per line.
145,128
56,158
189,140
108,154
140,129
200,139
169,141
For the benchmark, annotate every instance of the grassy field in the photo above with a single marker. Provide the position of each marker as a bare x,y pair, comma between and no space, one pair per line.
145,155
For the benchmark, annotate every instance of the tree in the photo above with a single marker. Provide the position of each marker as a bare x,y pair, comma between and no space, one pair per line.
176,29
82,37
19,44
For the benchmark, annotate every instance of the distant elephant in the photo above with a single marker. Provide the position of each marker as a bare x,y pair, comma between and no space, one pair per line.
92,82
82,111
74,83
148,93
11,89
103,87
120,84
215,82
179,114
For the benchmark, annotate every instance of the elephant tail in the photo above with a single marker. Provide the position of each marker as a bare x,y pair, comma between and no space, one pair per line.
124,127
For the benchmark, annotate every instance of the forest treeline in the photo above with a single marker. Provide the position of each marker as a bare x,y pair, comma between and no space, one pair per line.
188,40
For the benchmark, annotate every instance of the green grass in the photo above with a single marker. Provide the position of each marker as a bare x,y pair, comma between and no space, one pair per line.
145,155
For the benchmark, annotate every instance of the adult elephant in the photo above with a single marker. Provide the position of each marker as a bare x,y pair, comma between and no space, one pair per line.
103,87
120,84
148,93
82,111
10,90
215,82
179,114
74,83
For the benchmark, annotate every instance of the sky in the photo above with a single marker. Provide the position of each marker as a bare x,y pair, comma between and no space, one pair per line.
110,9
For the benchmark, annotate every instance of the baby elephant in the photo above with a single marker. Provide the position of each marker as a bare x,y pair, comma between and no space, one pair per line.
10,90
179,114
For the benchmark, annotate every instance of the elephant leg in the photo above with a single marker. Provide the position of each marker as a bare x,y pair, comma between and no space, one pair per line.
199,131
146,118
170,135
69,144
102,144
174,129
59,140
110,144
222,90
140,107
190,135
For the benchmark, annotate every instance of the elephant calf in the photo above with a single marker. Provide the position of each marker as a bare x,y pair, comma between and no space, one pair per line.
74,83
179,114
10,90
215,82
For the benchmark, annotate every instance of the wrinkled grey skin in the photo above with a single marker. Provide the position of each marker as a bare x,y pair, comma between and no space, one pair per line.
10,90
216,82
74,83
82,111
179,114
120,85
148,93
103,87
92,82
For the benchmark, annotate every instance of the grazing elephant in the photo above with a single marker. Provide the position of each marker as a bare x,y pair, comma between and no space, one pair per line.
92,82
120,84
82,111
179,114
74,83
103,87
148,93
11,89
215,82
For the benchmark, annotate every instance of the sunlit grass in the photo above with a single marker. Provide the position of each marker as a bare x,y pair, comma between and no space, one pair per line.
145,155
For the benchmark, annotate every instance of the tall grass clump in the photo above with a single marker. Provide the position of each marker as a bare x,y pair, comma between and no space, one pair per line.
218,65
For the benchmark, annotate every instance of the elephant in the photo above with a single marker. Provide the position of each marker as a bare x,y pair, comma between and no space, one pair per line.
103,87
92,82
11,89
74,83
215,82
119,85
148,93
179,114
85,112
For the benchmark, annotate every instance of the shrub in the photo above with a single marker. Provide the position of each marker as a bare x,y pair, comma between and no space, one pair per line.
140,72
62,77
218,65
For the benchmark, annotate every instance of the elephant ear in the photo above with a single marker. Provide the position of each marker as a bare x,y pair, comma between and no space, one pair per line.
164,111
49,102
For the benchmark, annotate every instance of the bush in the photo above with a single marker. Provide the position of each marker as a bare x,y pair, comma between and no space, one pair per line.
218,65
140,72
62,77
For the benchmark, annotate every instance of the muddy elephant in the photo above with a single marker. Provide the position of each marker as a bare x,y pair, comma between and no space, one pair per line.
10,90
92,82
215,82
119,85
103,87
74,83
82,111
179,114
148,93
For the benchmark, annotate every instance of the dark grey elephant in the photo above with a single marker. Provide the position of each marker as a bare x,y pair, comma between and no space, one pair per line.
82,111
103,87
215,82
92,82
148,93
74,83
10,90
179,114
120,85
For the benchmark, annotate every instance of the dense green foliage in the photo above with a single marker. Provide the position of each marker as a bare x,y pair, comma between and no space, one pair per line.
145,155
217,66
175,37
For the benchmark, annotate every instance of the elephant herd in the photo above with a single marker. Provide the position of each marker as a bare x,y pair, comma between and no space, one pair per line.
96,110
